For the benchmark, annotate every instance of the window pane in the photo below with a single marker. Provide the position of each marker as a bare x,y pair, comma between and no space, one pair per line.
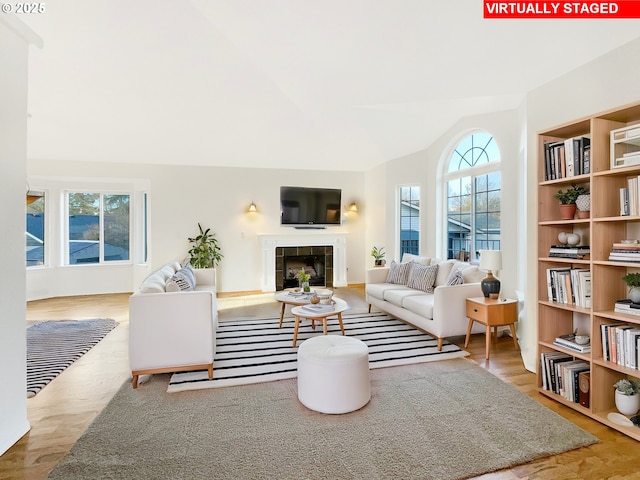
409,220
116,227
84,228
35,229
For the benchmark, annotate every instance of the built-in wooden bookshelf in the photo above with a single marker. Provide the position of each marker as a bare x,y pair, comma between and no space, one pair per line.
601,230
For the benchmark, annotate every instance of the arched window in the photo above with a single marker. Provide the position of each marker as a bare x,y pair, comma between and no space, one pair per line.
473,197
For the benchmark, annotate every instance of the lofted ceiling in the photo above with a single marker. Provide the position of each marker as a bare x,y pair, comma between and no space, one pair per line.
332,84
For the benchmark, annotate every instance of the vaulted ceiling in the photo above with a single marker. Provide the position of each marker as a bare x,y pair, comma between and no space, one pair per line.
335,84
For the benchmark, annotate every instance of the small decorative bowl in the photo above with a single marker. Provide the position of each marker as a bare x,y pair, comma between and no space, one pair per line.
324,295
582,339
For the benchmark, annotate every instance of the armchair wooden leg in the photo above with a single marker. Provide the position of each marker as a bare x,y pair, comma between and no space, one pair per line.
369,308
210,369
134,383
440,340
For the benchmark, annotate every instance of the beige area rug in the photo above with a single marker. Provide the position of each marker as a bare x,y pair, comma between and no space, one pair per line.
441,420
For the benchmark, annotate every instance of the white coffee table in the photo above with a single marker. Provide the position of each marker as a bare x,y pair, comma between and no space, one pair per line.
339,306
289,297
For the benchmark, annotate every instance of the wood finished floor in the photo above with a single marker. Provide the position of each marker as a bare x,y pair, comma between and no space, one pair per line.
61,412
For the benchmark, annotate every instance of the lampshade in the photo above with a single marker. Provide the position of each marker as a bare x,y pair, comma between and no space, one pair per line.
490,260
252,208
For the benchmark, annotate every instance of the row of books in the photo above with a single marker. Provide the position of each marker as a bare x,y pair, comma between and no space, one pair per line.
561,375
621,344
571,286
567,158
625,252
578,252
630,197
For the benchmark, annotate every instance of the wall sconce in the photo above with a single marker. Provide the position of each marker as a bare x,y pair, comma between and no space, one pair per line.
252,208
353,208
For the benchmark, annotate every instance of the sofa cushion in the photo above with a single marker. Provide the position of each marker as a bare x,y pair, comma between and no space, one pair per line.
397,296
377,290
455,278
191,275
398,273
154,283
410,257
179,282
444,269
420,305
473,274
422,277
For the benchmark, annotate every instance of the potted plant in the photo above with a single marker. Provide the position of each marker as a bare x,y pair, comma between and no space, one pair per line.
568,199
633,282
303,277
378,254
205,251
627,396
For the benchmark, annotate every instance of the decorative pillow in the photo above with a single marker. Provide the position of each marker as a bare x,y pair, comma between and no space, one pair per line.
410,257
444,269
191,275
455,278
422,277
398,273
179,282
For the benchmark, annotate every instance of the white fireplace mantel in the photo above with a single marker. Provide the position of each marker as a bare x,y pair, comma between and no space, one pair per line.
269,243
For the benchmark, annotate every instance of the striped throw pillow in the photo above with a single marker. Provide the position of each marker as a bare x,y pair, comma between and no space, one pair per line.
422,277
455,278
398,273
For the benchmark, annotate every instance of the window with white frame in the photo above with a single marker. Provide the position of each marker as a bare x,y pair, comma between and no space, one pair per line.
35,229
98,227
409,214
473,182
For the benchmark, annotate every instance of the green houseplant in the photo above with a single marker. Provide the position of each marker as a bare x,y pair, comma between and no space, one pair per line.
378,254
204,251
568,199
633,282
303,277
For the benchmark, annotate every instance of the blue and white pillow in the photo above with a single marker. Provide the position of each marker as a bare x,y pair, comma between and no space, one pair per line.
179,282
455,278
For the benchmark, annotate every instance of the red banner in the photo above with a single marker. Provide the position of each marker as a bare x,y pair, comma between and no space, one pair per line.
562,9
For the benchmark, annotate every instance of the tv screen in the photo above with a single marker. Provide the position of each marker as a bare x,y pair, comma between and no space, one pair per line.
308,206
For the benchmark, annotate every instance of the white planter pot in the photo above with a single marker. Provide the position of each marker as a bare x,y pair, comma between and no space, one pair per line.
627,404
634,295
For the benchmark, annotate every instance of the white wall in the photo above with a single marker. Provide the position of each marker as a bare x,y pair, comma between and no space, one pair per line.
14,44
182,196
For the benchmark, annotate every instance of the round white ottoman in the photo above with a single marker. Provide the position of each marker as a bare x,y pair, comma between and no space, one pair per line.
333,374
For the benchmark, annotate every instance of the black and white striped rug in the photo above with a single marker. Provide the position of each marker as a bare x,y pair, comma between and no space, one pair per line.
256,350
54,345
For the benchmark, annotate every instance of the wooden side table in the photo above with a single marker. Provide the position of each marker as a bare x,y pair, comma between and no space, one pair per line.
492,313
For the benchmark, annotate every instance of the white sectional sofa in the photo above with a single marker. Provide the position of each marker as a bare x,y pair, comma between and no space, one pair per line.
432,299
173,320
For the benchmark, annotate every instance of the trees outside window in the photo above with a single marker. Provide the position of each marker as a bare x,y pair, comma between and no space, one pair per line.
473,197
98,227
35,229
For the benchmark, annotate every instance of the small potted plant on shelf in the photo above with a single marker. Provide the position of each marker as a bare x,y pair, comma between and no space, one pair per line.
627,396
633,282
378,255
303,277
568,199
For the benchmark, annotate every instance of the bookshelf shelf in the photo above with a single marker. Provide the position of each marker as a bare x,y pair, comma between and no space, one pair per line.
604,178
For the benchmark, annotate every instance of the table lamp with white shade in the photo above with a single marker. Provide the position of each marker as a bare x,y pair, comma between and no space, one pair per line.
490,260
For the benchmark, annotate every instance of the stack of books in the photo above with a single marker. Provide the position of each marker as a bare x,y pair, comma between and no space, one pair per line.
627,306
580,252
560,374
571,286
317,308
621,344
568,341
625,252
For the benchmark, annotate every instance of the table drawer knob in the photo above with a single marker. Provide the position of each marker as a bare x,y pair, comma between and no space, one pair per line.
475,310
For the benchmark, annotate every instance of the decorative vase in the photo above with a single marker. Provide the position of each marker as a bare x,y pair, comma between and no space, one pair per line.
305,286
562,238
573,238
627,404
583,202
634,295
567,212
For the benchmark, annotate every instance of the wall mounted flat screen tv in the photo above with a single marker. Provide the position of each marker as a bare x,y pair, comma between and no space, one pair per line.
310,207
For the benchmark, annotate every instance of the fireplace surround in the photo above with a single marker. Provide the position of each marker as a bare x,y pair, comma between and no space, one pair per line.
308,246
